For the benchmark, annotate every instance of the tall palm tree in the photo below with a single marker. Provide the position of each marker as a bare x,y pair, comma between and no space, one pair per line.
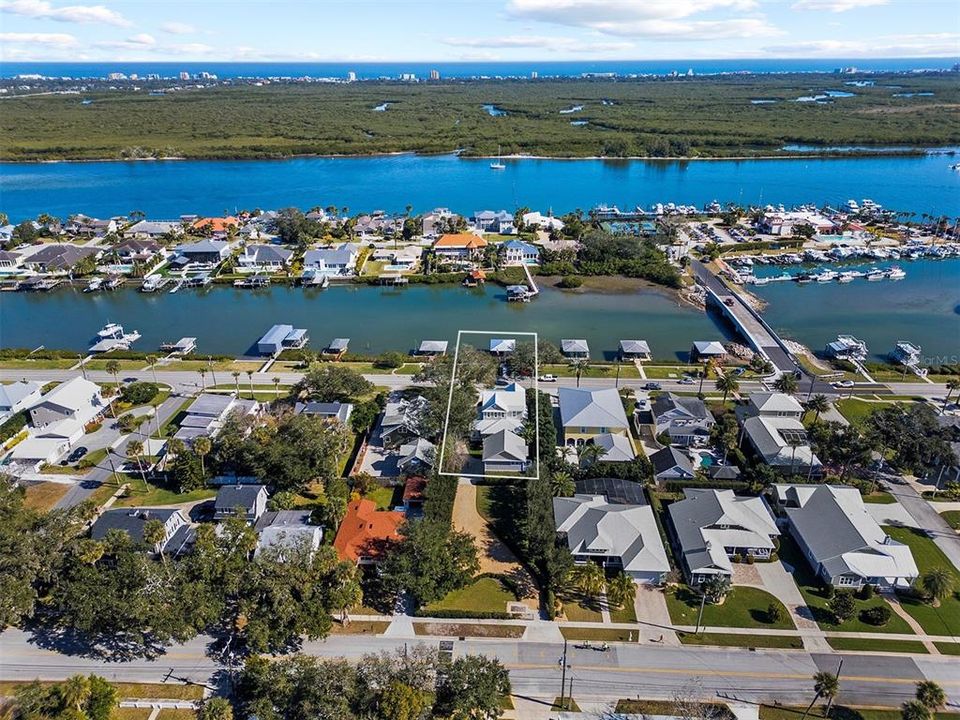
75,692
236,381
938,584
590,579
825,685
90,551
951,386
818,404
153,366
786,383
202,446
250,380
135,449
579,366
276,386
203,378
113,367
931,695
621,590
727,384
703,376
154,534
212,373
561,484
794,443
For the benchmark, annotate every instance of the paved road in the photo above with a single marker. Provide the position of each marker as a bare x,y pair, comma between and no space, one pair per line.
624,671
929,519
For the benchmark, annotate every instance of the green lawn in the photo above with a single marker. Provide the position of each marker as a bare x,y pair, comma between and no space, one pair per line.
626,614
578,608
594,370
727,640
568,704
881,497
946,648
598,634
942,620
743,607
153,495
818,603
952,517
855,410
877,645
839,712
385,497
486,594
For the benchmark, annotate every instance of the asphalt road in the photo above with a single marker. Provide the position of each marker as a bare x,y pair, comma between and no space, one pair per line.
624,671
930,520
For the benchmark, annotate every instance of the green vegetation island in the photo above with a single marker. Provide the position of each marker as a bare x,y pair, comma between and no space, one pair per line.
686,117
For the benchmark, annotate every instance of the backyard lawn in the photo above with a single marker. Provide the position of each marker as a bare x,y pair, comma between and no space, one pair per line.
818,602
485,594
385,497
626,614
155,495
942,620
743,607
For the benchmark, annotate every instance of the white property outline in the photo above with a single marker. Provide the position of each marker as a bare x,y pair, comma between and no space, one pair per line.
536,408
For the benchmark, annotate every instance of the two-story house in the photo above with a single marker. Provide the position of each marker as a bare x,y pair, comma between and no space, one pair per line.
500,409
586,415
686,420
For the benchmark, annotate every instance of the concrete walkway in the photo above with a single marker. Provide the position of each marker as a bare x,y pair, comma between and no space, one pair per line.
894,602
780,583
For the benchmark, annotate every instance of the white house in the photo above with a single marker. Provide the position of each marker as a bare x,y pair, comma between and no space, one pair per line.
500,409
153,229
264,257
783,444
517,252
686,420
64,411
341,260
774,405
539,221
18,396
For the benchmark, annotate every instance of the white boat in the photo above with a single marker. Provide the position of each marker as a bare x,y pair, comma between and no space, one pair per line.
845,277
93,285
151,283
875,274
852,206
111,330
896,273
826,276
498,165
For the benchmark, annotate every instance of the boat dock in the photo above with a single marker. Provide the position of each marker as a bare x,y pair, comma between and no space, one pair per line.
183,346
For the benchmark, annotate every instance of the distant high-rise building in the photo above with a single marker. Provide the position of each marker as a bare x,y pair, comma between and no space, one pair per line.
689,72
408,77
351,76
534,74
184,75
434,74
116,76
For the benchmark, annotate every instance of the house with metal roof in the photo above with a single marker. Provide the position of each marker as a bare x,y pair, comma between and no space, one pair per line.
247,501
433,347
501,346
634,350
502,408
400,422
63,412
416,456
616,447
710,527
505,452
844,545
575,349
782,443
707,350
328,411
773,404
585,414
177,531
206,415
18,396
686,420
669,463
341,260
264,258
617,536
517,252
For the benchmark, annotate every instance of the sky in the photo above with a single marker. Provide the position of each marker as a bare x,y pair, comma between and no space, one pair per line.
475,30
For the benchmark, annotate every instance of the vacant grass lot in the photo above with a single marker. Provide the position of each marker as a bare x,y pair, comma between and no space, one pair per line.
942,620
468,630
155,495
483,595
743,607
838,712
43,496
598,634
641,118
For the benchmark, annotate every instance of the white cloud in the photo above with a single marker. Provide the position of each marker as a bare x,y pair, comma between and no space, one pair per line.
51,39
178,28
654,19
927,45
41,9
540,42
835,6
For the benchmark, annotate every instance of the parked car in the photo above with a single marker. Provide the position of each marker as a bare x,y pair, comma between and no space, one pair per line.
548,378
75,455
686,381
652,386
844,383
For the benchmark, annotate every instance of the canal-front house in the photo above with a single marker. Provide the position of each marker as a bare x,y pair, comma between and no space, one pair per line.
341,260
459,246
618,535
686,420
844,545
10,260
711,527
60,258
136,250
517,252
264,258
585,414
204,252
505,452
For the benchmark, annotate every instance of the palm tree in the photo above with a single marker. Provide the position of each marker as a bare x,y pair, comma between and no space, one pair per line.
727,384
914,710
135,448
212,373
931,695
153,366
113,367
703,376
786,383
794,443
236,381
578,366
818,404
202,446
938,584
250,380
203,378
561,484
75,692
621,590
951,386
154,534
90,551
825,685
590,579
591,453
276,386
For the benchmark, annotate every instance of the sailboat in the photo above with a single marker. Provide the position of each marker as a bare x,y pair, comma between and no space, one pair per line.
498,165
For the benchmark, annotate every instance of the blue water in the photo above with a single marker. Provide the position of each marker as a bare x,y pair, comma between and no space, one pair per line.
468,69
167,189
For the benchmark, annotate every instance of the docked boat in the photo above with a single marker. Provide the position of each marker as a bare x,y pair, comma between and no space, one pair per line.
905,353
113,283
847,347
875,274
498,165
257,281
826,276
111,330
152,283
846,277
896,273
94,285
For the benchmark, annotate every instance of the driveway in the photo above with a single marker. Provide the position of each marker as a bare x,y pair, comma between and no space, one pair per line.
776,580
927,518
377,460
890,514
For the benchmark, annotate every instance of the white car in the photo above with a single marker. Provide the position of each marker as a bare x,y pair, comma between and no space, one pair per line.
844,383
548,378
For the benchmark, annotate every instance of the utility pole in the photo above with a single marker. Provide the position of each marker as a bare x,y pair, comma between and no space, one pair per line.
703,601
563,673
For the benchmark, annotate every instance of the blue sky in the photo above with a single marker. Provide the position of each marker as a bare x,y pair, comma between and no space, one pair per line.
450,30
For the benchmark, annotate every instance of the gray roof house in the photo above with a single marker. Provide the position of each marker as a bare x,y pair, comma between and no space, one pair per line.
401,421
711,526
284,530
499,346
205,251
618,536
251,500
707,349
671,464
616,447
585,414
500,409
575,348
333,411
332,261
773,404
265,256
782,443
417,455
505,452
432,347
177,531
685,419
59,258
638,349
18,396
840,539
207,413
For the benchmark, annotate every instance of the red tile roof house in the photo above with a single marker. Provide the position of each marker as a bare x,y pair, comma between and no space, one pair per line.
366,533
459,246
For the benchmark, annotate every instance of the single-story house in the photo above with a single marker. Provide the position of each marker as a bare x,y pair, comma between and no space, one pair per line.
618,536
177,531
505,452
137,250
712,526
585,414
782,443
341,260
459,246
282,530
537,220
204,251
575,349
248,501
500,409
844,545
707,350
59,258
10,259
416,456
365,533
150,229
84,225
215,225
685,419
18,396
264,257
517,252
64,411
634,350
332,411
34,452
671,464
